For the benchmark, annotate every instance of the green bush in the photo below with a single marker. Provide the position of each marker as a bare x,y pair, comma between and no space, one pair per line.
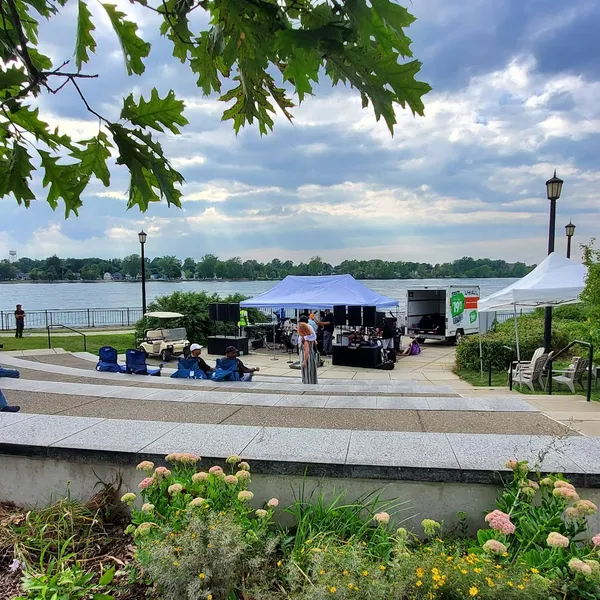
531,337
194,305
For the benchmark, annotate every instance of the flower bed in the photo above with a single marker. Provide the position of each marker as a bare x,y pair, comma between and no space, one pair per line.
196,536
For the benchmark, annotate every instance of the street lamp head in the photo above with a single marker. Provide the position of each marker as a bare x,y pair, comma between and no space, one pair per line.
554,187
142,236
570,230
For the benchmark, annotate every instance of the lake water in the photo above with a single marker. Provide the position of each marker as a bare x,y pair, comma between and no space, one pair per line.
54,296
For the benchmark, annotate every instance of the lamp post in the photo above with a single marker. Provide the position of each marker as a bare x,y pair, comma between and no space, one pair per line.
569,232
142,237
553,188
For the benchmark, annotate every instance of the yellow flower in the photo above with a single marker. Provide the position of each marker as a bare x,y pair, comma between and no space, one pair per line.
477,570
473,591
278,563
346,573
175,563
490,581
322,572
498,566
209,545
521,587
365,573
382,567
420,572
464,571
209,597
419,583
505,554
308,541
201,576
509,583
333,589
535,571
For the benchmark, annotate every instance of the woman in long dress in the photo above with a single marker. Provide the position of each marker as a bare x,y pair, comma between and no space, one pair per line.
308,353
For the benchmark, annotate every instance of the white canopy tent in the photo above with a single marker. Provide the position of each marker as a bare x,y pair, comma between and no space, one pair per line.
555,281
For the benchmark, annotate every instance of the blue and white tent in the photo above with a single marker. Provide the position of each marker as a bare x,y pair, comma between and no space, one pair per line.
325,291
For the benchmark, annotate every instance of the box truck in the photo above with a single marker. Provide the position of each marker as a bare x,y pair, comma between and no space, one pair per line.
442,312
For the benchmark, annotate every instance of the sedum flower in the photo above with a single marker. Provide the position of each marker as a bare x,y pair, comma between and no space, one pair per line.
586,508
128,498
596,540
547,482
147,507
261,513
572,513
233,459
559,483
511,465
566,493
175,489
201,476
145,483
231,479
144,528
161,472
500,521
578,566
146,466
216,470
494,547
273,503
189,459
245,496
430,526
197,502
382,518
593,564
556,540
243,475
244,466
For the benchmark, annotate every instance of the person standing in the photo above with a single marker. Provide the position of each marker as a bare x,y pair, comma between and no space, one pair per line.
388,335
308,353
328,325
19,321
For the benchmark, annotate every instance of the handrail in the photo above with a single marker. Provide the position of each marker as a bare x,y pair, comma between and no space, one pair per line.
510,366
49,327
589,368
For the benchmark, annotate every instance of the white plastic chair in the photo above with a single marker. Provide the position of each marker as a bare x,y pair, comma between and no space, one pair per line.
572,375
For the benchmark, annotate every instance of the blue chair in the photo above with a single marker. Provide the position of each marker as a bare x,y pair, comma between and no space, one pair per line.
135,363
9,373
225,370
187,368
107,360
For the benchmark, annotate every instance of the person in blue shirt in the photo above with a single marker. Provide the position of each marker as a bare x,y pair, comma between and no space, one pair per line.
4,406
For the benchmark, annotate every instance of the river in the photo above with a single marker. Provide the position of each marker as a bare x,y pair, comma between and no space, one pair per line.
55,296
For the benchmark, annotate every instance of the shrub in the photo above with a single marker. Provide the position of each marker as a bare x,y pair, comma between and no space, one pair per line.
194,305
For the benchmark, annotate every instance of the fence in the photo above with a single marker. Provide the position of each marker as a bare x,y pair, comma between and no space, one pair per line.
78,317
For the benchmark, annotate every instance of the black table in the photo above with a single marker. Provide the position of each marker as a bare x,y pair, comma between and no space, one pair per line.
367,357
218,343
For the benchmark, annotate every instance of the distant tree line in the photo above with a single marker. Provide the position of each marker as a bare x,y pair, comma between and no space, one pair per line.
210,266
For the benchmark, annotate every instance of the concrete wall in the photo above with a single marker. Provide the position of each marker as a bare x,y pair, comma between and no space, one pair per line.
37,482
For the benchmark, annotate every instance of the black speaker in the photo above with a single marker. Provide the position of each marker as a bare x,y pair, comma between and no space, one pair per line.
369,316
354,316
339,315
233,312
380,320
213,311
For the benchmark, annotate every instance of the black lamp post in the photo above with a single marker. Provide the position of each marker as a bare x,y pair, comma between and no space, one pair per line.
553,187
570,232
142,237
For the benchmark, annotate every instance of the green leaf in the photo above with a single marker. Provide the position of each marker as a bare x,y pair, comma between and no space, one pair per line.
65,182
29,120
301,68
93,158
85,42
40,61
15,170
134,47
11,80
176,27
102,597
107,576
205,65
156,113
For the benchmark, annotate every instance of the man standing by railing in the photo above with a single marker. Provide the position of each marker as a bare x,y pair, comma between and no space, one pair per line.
20,321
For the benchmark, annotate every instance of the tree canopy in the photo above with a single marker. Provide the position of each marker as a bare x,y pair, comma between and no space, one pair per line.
256,55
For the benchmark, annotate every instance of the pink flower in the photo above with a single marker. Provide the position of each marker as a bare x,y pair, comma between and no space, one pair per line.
197,502
231,479
547,482
563,484
586,508
500,522
198,477
273,503
556,540
494,547
161,472
215,470
596,540
243,475
572,513
145,465
512,465
173,457
245,496
175,489
578,566
145,483
261,514
382,517
244,466
565,493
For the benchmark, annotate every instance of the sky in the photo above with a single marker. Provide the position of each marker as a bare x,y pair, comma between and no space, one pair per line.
516,90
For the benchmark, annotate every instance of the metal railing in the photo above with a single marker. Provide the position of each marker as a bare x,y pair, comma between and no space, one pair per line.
589,367
50,327
77,317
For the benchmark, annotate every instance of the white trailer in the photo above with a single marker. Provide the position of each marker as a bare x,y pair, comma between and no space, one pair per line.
442,312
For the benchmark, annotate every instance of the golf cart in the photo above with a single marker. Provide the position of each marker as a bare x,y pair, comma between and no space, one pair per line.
164,342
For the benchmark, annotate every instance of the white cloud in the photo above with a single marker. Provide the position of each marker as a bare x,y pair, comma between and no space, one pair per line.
219,191
181,162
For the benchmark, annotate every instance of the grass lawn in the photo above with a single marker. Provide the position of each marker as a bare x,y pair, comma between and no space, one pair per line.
71,343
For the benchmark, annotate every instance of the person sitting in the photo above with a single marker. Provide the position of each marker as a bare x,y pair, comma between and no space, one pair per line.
4,406
195,352
236,367
412,348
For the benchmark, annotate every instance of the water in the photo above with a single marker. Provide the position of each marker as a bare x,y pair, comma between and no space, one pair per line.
54,296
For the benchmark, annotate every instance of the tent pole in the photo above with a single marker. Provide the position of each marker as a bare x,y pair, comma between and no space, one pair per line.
480,350
517,334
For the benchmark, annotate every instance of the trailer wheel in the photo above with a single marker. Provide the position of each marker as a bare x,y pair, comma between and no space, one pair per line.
459,336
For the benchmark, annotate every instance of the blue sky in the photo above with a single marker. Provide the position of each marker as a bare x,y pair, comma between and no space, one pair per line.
516,94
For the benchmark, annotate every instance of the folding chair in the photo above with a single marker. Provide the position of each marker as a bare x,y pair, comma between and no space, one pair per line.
135,363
